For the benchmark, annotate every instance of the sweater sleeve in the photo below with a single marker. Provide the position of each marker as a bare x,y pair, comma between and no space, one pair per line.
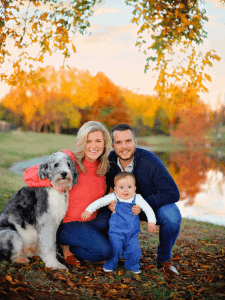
32,179
167,190
140,201
101,202
31,174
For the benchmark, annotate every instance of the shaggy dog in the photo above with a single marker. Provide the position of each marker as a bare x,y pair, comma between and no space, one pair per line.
30,219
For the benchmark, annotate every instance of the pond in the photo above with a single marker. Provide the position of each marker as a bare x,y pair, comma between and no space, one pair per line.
200,179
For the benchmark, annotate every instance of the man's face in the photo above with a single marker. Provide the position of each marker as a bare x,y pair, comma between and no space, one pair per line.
124,144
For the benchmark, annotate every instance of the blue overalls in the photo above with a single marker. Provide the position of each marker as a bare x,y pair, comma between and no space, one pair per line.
124,228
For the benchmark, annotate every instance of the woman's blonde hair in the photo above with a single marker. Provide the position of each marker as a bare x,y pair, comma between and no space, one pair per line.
81,141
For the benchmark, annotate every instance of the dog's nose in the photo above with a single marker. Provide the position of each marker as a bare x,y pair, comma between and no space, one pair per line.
63,174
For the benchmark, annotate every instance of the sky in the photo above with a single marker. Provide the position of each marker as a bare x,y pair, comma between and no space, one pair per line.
110,48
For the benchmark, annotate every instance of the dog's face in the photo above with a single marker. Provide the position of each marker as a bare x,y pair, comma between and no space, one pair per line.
60,169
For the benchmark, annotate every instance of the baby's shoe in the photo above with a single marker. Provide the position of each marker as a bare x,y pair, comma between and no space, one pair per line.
136,272
107,270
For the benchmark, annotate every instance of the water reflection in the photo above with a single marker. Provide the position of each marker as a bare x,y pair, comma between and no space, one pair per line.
201,181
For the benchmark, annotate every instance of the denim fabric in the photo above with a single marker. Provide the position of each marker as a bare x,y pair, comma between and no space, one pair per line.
88,240
124,228
169,219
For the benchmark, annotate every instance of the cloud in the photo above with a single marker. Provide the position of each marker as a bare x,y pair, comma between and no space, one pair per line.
212,23
105,10
218,3
215,17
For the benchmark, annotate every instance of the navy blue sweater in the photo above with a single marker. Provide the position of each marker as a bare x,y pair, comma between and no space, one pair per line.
153,181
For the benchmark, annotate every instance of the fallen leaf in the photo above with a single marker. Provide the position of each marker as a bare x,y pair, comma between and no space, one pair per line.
149,267
138,278
8,277
126,280
120,272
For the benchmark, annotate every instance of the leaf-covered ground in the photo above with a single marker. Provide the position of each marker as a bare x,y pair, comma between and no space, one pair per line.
199,254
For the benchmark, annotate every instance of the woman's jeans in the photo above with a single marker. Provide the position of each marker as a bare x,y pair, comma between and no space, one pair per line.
169,219
88,240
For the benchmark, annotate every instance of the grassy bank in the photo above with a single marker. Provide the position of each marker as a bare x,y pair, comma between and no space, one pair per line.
162,143
199,252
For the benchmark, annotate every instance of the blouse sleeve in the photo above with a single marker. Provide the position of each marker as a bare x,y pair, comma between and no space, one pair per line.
31,174
32,179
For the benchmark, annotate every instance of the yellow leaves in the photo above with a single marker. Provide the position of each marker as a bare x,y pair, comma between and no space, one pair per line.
120,272
9,278
74,48
208,77
44,16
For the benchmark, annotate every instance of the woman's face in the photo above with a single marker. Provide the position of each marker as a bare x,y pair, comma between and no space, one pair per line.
94,146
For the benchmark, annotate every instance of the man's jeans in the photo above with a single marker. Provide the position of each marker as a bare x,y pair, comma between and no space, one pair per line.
88,240
169,219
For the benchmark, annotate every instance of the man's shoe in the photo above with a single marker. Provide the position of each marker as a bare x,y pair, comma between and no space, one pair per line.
167,267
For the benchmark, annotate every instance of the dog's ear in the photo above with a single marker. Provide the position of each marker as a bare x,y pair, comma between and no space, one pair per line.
43,171
74,172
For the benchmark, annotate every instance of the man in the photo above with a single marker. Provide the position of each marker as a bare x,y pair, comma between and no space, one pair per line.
154,183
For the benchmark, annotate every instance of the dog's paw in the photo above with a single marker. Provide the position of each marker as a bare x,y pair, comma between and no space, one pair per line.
20,260
55,266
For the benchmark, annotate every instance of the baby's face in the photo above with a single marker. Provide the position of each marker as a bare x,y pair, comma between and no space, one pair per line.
125,188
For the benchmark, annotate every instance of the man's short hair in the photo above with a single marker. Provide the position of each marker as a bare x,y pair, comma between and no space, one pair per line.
122,175
122,127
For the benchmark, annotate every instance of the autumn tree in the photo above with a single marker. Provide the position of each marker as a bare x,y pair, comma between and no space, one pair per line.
46,104
163,26
194,123
110,107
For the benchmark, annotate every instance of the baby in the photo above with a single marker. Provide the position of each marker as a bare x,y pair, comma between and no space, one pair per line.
124,226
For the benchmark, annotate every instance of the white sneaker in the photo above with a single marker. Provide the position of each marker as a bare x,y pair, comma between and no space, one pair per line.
137,272
106,270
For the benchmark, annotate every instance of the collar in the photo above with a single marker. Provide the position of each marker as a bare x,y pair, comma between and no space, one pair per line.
127,201
128,168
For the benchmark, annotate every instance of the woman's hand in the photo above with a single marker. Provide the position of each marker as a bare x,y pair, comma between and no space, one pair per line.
112,206
85,215
136,209
151,227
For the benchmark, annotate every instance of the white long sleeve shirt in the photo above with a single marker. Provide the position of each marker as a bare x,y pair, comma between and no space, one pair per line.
140,201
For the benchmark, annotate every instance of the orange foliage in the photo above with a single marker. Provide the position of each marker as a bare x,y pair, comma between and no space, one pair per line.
110,107
193,125
189,170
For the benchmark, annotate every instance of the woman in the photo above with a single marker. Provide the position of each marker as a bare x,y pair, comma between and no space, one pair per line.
86,240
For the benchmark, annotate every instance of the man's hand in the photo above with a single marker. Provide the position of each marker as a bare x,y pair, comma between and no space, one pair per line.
151,227
136,209
60,188
112,206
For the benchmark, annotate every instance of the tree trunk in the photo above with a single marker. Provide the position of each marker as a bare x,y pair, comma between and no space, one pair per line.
57,128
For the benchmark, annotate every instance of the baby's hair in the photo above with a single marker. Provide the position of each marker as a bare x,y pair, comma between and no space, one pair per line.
122,175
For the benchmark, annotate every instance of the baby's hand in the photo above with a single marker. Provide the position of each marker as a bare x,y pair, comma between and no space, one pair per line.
85,215
112,206
151,227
